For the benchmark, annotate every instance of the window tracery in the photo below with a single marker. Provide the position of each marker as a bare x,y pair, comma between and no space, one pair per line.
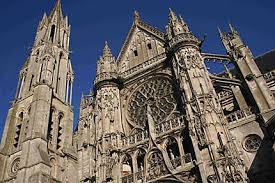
158,94
252,143
156,166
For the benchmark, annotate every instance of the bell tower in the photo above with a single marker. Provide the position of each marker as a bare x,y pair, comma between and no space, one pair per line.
39,126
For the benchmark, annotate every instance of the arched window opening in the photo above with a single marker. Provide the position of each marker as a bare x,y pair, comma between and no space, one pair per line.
172,149
156,166
187,148
63,41
31,82
127,166
60,131
52,33
18,129
50,126
149,46
140,160
140,165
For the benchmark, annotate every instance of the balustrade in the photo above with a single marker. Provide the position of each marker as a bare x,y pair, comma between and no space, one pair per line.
269,75
240,114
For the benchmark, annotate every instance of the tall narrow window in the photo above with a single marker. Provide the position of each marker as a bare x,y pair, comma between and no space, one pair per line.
18,130
59,132
52,33
31,82
63,41
136,53
149,46
50,126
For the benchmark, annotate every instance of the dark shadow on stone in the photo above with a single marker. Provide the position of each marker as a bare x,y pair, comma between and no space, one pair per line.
262,169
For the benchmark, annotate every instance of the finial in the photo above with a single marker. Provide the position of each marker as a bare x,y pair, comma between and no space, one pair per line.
136,16
106,51
232,29
220,32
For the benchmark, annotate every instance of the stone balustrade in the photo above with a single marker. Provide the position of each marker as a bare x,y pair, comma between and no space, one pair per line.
169,125
240,114
186,37
269,75
176,162
160,129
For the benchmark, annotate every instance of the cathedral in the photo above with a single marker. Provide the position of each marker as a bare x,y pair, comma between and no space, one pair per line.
157,114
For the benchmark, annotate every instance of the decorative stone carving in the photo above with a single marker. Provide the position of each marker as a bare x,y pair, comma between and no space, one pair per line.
190,58
156,166
14,167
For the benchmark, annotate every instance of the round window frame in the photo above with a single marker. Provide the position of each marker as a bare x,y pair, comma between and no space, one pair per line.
248,137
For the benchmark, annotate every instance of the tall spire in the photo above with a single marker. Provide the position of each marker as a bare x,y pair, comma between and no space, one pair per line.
57,9
172,15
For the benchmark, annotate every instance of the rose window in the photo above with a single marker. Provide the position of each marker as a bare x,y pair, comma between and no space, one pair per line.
252,143
158,94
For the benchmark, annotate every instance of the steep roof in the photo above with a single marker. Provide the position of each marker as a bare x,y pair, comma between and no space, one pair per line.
266,62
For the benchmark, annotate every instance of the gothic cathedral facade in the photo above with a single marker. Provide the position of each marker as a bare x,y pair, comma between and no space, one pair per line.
156,114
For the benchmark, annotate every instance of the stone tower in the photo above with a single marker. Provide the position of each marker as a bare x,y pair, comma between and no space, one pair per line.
37,141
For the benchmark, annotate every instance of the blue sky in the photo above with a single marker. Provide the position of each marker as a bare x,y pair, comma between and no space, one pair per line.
94,21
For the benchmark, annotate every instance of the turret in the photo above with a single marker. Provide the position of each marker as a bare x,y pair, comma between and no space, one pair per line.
178,32
106,68
198,94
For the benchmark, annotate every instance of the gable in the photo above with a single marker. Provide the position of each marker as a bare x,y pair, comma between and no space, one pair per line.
142,44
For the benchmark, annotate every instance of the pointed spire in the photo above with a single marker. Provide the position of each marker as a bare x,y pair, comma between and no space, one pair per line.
232,29
172,15
57,9
220,32
107,51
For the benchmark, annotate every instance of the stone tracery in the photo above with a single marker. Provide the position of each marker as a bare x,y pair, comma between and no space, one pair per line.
158,94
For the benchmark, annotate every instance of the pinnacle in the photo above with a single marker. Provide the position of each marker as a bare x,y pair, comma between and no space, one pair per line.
172,15
136,16
107,51
57,8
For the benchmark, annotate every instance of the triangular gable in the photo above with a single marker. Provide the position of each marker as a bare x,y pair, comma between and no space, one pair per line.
143,43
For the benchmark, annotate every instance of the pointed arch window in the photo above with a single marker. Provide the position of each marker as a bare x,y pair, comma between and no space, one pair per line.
52,33
18,129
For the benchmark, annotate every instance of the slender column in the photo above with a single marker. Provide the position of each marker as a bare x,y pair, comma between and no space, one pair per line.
67,88
22,83
18,85
182,154
135,167
71,92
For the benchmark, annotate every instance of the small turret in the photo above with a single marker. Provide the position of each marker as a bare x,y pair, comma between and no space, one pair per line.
106,67
178,32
